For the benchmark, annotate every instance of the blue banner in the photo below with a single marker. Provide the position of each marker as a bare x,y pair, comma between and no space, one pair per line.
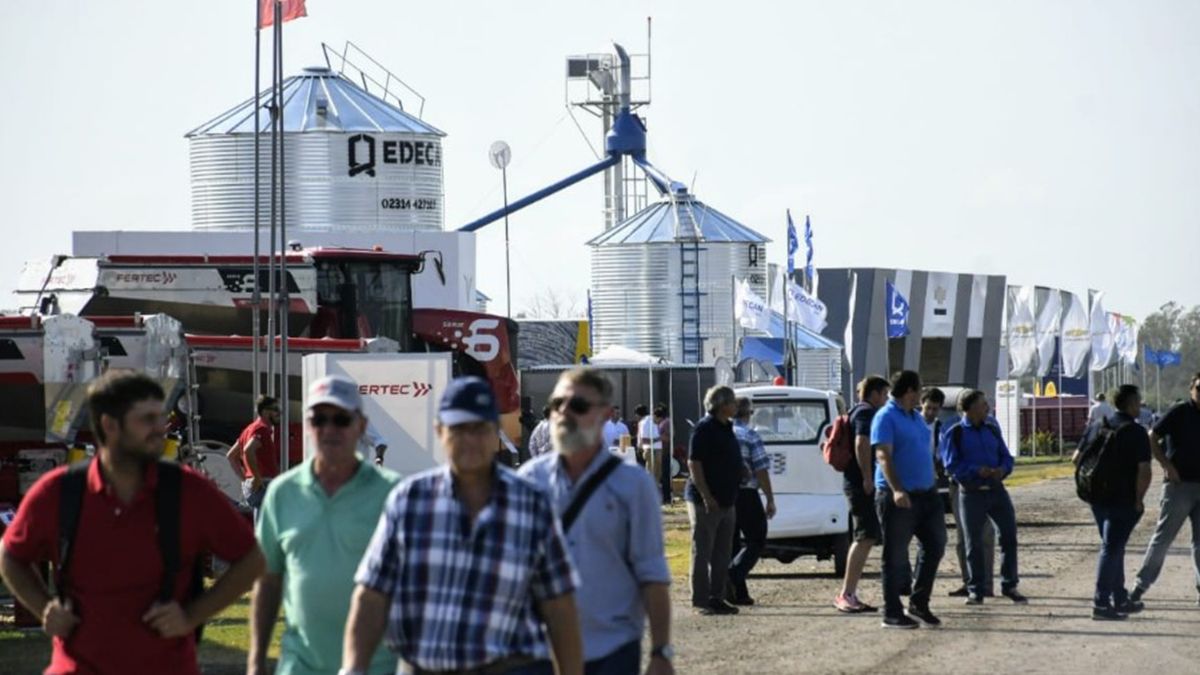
1163,359
793,244
897,313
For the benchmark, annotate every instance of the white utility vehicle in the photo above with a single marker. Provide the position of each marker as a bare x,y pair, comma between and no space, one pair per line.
812,517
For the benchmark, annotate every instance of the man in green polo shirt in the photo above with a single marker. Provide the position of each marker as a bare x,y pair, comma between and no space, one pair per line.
315,524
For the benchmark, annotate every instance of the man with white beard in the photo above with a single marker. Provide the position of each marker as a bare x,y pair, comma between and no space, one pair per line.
613,526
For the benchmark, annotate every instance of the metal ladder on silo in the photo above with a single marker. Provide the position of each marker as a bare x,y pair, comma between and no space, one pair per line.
689,301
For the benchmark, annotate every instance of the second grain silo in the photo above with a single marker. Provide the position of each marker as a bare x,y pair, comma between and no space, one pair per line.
663,280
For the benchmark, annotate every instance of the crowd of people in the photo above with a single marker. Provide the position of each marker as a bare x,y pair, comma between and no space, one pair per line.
557,567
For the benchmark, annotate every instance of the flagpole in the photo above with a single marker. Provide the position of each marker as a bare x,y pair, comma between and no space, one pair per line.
284,304
1060,391
255,319
272,268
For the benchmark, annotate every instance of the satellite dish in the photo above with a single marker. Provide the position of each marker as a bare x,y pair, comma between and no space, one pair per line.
500,154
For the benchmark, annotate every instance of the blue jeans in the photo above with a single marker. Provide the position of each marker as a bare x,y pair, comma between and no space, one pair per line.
1180,502
977,508
626,660
1116,523
926,519
752,526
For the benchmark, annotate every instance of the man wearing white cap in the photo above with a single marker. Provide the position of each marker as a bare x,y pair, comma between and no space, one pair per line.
468,570
315,524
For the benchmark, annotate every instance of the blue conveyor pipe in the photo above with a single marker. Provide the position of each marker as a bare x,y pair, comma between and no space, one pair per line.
541,194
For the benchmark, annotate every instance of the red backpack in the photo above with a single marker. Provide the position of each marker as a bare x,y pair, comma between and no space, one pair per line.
838,446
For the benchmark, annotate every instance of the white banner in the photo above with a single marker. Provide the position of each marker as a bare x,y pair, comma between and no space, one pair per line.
1048,323
1076,338
1126,340
806,309
1022,332
750,310
802,308
1102,335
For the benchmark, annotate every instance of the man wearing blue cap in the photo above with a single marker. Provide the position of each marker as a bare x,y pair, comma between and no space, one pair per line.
315,524
468,568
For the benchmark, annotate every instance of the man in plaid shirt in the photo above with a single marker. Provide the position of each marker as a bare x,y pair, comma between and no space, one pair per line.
751,518
468,570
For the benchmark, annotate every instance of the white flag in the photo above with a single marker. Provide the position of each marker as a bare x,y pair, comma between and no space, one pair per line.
1022,332
848,338
1047,331
1102,335
750,309
1076,338
777,292
806,309
1126,340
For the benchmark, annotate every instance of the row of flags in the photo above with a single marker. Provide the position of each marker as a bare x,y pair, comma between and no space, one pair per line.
1107,337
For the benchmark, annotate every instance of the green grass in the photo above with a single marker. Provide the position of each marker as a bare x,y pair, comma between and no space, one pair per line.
1029,470
223,649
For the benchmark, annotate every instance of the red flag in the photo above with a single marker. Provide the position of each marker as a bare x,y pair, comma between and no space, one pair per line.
290,9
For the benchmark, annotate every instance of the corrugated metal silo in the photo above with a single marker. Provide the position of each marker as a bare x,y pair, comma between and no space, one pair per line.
663,281
353,162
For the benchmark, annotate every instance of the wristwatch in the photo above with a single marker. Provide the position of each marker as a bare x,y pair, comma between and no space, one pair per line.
665,652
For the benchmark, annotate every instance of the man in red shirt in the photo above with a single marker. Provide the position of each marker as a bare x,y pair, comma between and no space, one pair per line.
257,451
111,620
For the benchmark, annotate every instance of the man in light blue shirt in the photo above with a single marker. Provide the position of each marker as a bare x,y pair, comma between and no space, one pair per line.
616,537
907,501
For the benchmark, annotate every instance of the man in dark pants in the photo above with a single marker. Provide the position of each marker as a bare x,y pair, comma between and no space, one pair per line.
1181,487
907,500
715,465
751,518
1117,516
978,460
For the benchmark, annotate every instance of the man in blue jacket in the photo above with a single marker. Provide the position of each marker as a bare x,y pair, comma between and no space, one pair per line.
976,457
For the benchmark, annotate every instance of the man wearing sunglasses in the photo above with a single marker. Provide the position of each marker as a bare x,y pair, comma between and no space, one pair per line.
316,521
468,570
1181,487
615,534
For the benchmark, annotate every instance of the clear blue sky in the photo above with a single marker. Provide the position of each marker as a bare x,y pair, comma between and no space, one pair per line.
1055,142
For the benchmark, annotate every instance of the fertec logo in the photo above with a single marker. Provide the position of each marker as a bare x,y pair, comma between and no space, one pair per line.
413,389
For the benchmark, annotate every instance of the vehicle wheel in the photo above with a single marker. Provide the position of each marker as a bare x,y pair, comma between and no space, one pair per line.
841,551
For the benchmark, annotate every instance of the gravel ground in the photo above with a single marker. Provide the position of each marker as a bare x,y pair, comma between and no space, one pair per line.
793,628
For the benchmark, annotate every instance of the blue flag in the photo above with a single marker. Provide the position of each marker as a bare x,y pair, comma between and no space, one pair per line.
1151,357
793,245
808,266
897,313
1170,358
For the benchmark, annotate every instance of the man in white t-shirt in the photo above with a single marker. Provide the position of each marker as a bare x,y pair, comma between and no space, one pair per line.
1100,410
650,443
614,428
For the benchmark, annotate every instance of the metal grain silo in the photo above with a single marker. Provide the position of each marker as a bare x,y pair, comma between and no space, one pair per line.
353,161
663,281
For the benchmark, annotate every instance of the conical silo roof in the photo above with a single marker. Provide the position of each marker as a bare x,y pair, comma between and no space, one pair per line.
683,217
319,99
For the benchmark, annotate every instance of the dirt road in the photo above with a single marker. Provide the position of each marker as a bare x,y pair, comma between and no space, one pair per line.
794,628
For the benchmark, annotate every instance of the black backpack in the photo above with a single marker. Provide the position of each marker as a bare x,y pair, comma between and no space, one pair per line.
167,497
1098,478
